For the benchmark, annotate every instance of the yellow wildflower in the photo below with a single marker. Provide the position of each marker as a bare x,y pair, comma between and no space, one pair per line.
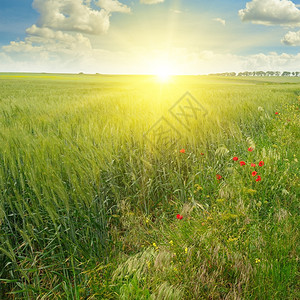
155,246
220,200
251,191
198,187
232,239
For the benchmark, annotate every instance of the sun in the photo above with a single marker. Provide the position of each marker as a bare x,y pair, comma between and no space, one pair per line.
163,74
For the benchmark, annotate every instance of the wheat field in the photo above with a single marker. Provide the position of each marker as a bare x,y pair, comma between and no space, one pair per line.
95,203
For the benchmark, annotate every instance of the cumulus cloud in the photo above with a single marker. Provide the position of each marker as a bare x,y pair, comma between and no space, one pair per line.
271,12
46,50
210,62
76,15
272,61
207,61
151,1
46,39
61,24
59,32
223,22
22,46
113,6
291,38
47,35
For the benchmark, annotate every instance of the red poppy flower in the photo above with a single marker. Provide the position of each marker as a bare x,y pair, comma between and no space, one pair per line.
261,163
258,178
242,163
179,217
253,165
201,153
235,158
182,151
250,149
276,113
254,173
219,177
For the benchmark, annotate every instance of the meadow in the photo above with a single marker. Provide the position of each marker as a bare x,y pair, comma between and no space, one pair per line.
95,204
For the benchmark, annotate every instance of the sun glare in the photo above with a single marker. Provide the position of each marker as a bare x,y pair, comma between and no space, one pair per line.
163,74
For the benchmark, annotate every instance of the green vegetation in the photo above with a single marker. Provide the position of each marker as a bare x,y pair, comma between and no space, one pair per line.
88,206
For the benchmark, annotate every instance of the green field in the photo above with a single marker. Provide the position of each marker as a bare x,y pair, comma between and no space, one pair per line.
89,197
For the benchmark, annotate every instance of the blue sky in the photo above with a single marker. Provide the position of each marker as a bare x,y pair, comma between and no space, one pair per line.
180,36
15,17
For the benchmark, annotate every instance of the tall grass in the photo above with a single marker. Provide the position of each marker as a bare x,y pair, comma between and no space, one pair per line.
88,206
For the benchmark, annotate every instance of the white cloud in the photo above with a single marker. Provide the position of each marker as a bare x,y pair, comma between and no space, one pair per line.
272,61
223,22
271,12
151,1
291,38
212,62
47,40
56,43
47,35
113,6
76,15
26,56
176,11
22,46
57,16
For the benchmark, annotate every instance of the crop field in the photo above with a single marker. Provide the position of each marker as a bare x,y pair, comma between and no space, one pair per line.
127,187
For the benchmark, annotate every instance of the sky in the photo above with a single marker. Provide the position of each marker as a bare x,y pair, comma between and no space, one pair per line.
149,36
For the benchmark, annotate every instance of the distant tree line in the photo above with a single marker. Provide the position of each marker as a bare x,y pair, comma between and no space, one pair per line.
259,73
